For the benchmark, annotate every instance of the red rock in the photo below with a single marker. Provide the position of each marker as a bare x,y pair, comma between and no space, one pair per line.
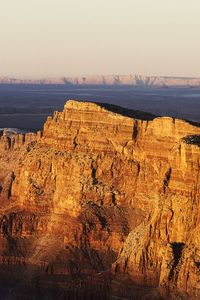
101,190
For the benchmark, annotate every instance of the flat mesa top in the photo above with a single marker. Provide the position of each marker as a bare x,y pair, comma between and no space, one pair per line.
112,110
81,105
118,112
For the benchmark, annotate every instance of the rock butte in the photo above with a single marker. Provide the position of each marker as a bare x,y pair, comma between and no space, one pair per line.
105,202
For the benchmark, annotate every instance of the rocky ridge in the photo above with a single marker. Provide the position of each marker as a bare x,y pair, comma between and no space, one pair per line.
104,197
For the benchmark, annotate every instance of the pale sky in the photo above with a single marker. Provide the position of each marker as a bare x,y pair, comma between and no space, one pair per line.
53,38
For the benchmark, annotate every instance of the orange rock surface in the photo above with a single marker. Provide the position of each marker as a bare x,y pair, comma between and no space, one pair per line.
104,191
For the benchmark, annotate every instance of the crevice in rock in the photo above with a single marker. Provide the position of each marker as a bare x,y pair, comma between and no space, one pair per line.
177,249
93,173
135,131
113,198
102,221
138,168
197,263
167,179
75,142
94,179
10,182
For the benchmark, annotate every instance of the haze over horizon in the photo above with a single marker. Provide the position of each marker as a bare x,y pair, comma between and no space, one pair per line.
43,38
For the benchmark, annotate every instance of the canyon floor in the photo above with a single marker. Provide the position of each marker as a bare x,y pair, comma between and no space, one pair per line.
102,204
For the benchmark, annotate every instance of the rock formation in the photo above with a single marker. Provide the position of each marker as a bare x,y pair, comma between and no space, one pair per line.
105,202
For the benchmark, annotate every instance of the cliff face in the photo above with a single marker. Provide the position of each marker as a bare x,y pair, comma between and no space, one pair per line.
104,189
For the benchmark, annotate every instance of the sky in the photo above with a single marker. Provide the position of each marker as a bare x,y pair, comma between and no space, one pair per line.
54,38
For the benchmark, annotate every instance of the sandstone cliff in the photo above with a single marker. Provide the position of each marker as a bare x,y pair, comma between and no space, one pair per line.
105,197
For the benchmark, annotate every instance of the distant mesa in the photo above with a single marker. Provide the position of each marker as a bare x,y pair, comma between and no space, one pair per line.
117,80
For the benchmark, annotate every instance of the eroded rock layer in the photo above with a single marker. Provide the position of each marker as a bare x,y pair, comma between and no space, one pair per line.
106,202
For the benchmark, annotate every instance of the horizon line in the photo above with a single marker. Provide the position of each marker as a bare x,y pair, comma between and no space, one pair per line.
27,78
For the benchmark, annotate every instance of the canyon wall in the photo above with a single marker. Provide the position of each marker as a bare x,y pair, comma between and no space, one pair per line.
108,193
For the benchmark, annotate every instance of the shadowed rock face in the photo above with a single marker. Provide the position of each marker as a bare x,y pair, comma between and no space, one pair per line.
104,203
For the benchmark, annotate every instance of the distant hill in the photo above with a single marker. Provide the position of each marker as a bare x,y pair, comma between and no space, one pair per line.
132,80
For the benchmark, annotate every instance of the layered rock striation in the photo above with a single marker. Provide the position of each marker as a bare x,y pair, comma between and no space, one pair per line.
104,197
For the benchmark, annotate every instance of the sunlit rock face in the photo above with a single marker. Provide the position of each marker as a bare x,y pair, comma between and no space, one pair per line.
103,203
